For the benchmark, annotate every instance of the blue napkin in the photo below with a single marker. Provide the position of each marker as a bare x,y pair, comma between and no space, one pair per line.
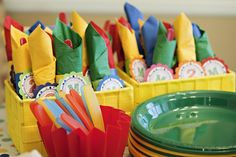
149,34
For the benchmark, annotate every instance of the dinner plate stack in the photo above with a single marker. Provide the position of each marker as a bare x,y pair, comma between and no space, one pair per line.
192,123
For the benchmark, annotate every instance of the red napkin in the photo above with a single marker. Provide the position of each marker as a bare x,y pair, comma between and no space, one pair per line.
7,25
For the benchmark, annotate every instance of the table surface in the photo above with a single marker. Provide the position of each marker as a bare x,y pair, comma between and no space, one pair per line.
6,145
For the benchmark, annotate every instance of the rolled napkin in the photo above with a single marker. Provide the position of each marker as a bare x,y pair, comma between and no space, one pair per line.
43,27
165,46
149,33
24,83
68,49
128,41
202,44
101,62
107,38
35,25
133,15
116,44
41,54
79,25
8,22
20,51
184,37
98,52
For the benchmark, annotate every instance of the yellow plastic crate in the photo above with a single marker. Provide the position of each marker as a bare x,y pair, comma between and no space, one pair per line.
21,123
147,90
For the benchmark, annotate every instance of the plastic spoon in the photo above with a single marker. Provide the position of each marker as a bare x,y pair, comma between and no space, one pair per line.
72,123
40,114
93,107
48,111
78,98
79,111
63,125
71,111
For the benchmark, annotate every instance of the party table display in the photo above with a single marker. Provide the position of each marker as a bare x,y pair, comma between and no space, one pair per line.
65,56
155,50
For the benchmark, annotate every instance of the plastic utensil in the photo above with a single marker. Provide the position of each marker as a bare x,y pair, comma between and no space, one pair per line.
79,111
63,125
170,34
23,41
62,17
64,102
53,107
40,114
69,43
48,111
93,107
78,98
61,106
72,123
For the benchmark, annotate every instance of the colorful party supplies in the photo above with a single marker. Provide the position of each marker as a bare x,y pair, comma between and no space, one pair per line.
202,44
35,25
20,51
118,53
68,49
93,107
149,33
41,53
134,64
79,111
129,44
79,25
184,37
23,79
8,22
97,52
165,46
133,15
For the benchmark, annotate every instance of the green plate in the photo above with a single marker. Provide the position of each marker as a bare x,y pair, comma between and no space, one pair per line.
197,120
180,149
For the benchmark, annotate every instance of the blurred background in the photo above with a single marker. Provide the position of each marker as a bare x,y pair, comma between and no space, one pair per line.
217,17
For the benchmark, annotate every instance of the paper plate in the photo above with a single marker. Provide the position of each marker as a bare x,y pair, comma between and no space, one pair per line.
197,120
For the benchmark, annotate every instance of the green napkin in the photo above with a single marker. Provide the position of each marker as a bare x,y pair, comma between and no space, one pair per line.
164,49
97,53
203,46
69,58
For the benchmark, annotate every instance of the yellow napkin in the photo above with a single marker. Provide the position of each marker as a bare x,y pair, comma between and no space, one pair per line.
79,25
128,41
141,23
184,37
48,30
20,53
41,53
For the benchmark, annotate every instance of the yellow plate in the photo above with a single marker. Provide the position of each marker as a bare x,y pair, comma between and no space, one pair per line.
135,152
165,150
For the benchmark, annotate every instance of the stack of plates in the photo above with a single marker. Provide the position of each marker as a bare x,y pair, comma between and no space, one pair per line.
194,123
